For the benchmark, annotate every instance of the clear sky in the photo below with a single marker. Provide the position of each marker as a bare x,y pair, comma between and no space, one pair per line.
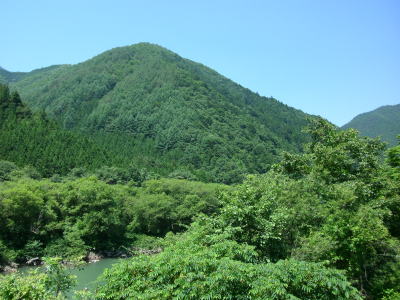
333,58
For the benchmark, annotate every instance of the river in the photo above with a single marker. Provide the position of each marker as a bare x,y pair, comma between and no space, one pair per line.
87,275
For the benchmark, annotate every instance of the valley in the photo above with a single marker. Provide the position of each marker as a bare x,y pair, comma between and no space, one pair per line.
214,191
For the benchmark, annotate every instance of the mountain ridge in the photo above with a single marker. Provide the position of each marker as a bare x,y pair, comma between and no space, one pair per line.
9,77
182,109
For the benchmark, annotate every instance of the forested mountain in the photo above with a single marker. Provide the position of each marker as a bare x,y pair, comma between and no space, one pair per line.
254,240
177,114
383,121
31,139
7,77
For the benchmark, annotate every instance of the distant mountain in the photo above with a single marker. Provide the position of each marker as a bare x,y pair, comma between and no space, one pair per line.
383,121
178,112
9,77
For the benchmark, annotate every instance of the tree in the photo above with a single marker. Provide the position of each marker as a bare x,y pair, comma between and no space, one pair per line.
52,283
4,94
58,280
202,264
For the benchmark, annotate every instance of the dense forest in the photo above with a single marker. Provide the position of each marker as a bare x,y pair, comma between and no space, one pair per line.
28,138
318,225
382,122
212,191
178,114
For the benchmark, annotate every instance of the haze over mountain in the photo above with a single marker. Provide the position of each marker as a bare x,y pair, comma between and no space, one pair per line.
175,110
382,122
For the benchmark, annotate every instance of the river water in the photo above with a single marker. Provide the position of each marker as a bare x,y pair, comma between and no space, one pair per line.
87,275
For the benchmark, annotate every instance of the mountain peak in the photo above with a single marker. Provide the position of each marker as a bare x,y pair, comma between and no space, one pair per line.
141,51
186,113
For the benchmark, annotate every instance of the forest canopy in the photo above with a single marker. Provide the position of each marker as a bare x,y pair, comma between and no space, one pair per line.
318,225
166,113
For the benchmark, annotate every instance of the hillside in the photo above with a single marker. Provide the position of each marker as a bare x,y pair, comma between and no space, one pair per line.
383,121
8,77
31,139
182,113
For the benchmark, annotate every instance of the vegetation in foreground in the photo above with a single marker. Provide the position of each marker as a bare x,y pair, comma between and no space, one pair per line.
318,225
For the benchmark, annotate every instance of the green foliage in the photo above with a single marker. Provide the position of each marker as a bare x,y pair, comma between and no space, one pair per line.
319,225
393,159
31,139
114,175
285,234
3,253
143,241
167,205
391,295
340,156
60,218
204,265
393,195
20,210
291,279
72,216
58,280
167,113
29,287
359,207
270,212
6,169
50,282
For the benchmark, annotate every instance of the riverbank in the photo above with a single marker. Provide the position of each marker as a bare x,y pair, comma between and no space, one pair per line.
91,257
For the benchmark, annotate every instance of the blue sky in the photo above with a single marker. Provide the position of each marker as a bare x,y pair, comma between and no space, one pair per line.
331,58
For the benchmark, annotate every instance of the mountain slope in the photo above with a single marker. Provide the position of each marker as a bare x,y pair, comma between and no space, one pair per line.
32,139
8,77
182,110
383,121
